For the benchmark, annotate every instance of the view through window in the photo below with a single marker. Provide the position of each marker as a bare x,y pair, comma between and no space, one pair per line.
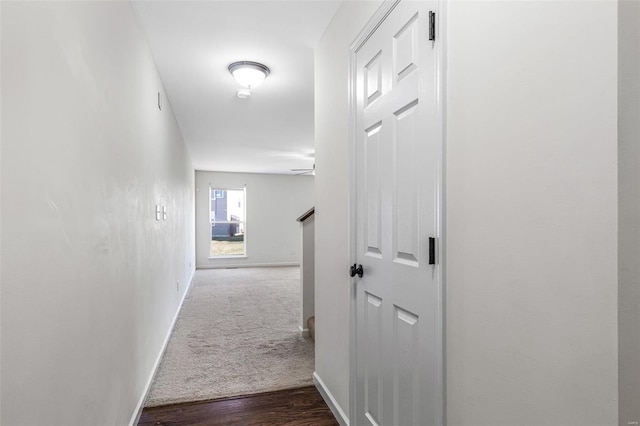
227,222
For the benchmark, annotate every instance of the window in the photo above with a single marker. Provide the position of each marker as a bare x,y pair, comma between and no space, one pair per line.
227,222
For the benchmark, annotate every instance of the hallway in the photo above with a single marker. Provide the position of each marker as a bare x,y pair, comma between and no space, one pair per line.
236,334
121,120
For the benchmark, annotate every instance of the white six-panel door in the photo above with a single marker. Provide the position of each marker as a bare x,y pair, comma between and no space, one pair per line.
398,150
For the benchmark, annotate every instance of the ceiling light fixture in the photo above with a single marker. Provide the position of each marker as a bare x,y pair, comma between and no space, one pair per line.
249,74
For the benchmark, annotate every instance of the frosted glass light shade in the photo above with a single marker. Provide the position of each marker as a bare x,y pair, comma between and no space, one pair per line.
249,74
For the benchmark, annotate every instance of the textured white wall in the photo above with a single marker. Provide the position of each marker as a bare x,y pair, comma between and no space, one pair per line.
332,198
532,213
88,275
274,202
629,181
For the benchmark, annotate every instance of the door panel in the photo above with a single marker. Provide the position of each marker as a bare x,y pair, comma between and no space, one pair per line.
373,195
405,49
373,79
405,200
398,151
373,359
405,381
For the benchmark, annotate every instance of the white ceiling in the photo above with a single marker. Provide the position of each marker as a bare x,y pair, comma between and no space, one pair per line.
193,43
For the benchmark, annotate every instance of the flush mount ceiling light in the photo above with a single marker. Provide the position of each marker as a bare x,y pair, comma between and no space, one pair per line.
249,74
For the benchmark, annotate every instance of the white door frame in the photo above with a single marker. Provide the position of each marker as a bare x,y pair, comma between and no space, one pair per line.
385,9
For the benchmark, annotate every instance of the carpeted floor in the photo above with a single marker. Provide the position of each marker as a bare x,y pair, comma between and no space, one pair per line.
237,334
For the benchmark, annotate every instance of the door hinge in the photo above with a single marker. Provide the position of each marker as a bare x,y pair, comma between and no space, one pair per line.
432,251
432,25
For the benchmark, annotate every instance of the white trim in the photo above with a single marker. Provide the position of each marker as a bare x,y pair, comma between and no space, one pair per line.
304,331
441,225
138,411
376,20
247,265
229,256
441,45
333,405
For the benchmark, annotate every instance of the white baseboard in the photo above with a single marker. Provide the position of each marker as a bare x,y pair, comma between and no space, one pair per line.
304,331
138,411
246,265
330,400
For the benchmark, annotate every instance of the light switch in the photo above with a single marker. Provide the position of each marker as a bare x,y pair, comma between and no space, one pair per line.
164,212
158,212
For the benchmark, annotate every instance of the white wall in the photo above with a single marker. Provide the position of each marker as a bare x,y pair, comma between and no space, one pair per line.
88,275
629,214
274,202
532,213
332,199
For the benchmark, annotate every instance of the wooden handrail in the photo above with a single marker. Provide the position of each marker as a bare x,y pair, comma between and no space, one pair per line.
307,214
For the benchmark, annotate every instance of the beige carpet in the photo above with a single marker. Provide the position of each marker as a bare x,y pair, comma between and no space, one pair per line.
237,334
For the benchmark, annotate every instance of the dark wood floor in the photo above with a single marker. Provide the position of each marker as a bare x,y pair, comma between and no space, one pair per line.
292,407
